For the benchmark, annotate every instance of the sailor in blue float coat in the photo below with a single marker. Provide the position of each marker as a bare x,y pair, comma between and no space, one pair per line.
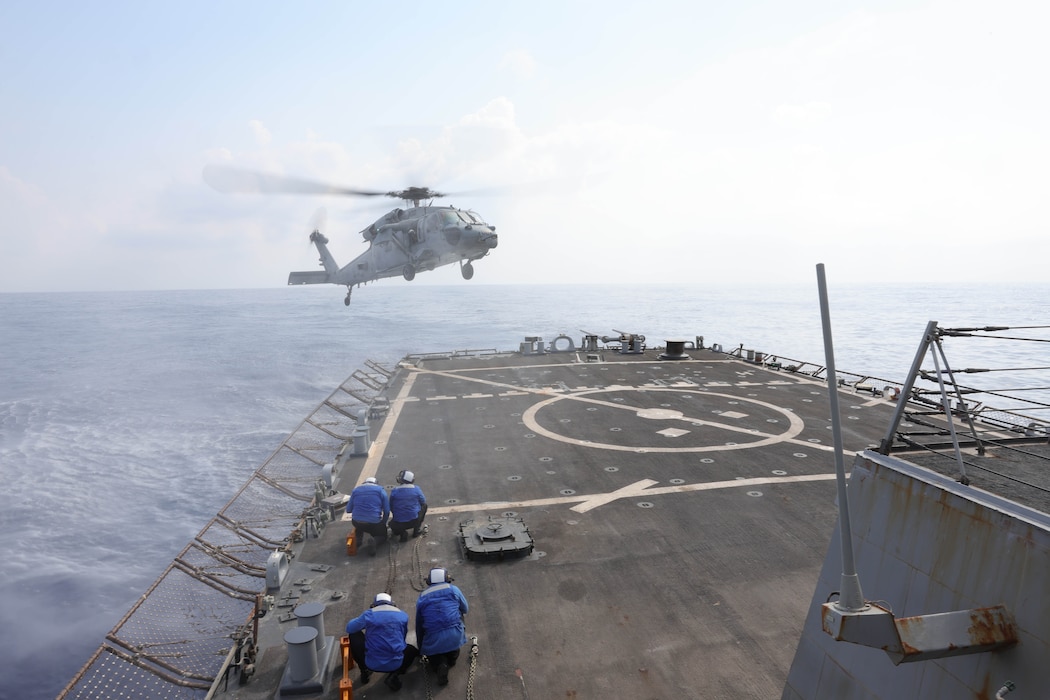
377,641
368,502
369,508
408,506
439,622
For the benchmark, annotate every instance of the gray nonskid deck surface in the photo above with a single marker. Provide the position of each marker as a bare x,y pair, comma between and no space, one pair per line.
681,513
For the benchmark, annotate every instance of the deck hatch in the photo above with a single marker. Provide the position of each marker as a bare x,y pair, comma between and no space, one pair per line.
495,539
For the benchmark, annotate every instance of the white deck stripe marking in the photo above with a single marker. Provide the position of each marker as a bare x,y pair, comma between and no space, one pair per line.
635,491
375,454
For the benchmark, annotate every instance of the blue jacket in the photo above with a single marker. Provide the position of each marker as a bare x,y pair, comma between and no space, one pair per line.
406,501
385,629
368,504
439,619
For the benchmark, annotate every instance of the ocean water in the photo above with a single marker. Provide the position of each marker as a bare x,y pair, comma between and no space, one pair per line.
128,419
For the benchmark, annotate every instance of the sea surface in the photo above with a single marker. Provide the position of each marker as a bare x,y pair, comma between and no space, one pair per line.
128,419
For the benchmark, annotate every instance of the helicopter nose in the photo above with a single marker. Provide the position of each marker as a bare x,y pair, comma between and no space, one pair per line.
472,236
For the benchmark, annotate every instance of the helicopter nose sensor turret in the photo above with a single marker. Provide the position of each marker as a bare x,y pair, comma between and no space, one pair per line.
480,237
471,236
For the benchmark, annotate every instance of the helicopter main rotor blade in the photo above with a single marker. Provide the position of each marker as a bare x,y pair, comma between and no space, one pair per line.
232,180
522,189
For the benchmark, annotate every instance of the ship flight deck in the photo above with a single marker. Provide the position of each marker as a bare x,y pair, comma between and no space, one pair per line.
680,512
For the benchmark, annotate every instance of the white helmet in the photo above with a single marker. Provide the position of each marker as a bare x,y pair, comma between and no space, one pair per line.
370,480
438,575
382,599
406,477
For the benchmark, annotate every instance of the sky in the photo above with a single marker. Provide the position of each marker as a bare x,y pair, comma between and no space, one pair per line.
659,142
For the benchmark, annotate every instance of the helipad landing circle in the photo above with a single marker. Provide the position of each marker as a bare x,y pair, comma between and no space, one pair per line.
745,435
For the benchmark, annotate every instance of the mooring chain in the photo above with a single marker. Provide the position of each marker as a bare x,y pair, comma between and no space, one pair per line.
473,667
423,659
420,584
471,672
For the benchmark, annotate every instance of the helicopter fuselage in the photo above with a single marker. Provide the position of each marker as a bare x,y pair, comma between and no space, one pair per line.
406,241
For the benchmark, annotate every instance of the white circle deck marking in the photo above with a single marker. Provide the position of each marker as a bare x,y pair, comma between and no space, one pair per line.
795,424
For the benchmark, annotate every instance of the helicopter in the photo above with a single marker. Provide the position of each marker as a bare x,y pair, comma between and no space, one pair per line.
404,241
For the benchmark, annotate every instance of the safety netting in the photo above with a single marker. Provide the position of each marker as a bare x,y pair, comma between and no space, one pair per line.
179,636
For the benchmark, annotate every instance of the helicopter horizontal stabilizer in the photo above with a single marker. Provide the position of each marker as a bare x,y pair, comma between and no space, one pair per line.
311,277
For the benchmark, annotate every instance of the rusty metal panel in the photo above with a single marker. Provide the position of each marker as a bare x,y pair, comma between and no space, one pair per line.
926,544
940,635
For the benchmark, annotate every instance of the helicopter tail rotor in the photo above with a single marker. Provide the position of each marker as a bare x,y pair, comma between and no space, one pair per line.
331,267
320,218
317,223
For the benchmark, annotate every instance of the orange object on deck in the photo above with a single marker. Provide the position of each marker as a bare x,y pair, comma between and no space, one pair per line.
346,686
351,543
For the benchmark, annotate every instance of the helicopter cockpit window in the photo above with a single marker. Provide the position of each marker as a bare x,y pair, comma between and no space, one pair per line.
470,217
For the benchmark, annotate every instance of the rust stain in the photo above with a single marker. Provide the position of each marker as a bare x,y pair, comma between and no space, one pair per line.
988,626
985,693
904,627
908,649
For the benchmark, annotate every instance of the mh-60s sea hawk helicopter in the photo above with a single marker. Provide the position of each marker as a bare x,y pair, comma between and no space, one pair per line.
401,242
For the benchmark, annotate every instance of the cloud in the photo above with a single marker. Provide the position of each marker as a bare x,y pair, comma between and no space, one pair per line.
498,113
16,190
544,184
262,135
862,134
520,63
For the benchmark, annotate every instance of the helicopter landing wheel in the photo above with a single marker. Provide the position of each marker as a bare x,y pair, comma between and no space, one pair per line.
346,301
409,273
467,270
